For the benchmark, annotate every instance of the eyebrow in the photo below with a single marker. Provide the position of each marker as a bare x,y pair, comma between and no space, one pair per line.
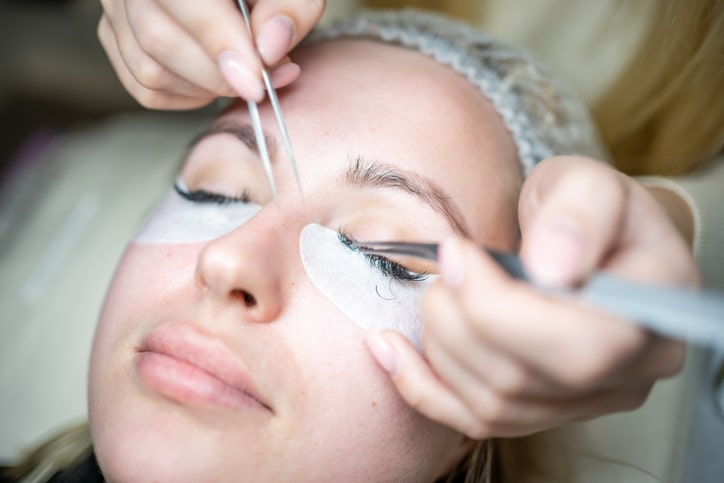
243,132
363,174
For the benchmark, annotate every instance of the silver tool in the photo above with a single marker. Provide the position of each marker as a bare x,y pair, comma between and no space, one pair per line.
693,315
256,120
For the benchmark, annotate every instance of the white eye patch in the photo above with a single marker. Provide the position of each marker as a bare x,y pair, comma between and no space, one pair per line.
178,220
360,291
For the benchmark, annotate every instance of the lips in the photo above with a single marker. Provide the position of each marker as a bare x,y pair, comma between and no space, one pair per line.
195,369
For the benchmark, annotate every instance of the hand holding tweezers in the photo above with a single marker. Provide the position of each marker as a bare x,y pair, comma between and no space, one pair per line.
695,316
256,120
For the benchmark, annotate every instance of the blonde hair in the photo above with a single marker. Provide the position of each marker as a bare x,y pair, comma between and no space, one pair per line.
665,113
62,452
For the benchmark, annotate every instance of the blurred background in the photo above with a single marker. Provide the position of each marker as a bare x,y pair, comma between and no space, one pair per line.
53,75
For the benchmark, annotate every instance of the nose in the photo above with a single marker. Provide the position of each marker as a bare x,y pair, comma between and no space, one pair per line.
245,269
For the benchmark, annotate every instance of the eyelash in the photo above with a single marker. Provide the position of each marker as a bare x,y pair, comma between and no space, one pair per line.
203,196
388,268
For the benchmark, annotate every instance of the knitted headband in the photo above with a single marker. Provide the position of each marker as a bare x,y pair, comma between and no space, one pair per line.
544,117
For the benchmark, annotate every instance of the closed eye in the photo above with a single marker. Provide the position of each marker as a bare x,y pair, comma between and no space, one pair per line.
204,196
388,268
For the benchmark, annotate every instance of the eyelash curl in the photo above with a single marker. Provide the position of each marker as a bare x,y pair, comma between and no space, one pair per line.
203,196
388,268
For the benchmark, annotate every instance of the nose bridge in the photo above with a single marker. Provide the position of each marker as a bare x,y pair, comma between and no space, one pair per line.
247,268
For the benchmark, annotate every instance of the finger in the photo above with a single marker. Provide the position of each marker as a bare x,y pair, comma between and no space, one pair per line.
522,417
486,295
146,97
485,402
279,25
461,355
651,247
571,213
572,346
418,385
159,37
659,358
423,391
284,74
219,28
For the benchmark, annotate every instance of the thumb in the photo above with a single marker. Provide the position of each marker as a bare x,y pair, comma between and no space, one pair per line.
279,25
572,211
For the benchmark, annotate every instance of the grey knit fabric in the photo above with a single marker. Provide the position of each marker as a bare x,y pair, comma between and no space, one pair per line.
543,115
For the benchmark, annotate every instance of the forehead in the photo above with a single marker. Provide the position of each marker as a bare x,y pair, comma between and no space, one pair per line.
384,103
378,84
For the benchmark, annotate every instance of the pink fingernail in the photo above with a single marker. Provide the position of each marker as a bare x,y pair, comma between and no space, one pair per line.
556,253
382,352
246,84
285,74
451,262
275,39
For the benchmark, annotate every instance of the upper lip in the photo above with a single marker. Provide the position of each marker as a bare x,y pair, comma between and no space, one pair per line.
209,354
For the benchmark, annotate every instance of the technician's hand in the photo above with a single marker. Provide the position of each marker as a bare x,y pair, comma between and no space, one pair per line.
507,360
182,54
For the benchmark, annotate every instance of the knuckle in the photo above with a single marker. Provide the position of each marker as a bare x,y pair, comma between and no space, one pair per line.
673,362
107,6
476,430
150,75
494,410
512,383
413,397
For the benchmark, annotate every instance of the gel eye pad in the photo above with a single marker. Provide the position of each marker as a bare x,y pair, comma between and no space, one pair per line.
356,288
179,220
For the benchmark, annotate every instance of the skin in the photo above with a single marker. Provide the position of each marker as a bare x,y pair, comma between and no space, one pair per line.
332,414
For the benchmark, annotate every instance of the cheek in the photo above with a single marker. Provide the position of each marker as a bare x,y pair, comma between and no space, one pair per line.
149,274
355,415
148,280
347,408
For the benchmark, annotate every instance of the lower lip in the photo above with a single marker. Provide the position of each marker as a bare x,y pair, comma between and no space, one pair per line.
188,384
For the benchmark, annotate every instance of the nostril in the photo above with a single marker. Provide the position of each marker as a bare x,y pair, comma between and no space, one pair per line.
249,299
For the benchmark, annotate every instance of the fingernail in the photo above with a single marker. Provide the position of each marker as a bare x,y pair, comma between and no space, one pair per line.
382,352
275,38
451,262
556,253
246,84
285,74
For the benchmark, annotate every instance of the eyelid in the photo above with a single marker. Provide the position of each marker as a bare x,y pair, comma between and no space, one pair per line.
206,196
388,267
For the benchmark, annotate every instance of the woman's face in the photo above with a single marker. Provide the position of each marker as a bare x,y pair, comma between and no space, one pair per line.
220,360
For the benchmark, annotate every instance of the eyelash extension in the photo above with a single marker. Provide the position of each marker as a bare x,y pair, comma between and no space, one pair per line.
388,268
203,196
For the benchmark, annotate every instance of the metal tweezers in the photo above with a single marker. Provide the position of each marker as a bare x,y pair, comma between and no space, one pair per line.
696,316
256,120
